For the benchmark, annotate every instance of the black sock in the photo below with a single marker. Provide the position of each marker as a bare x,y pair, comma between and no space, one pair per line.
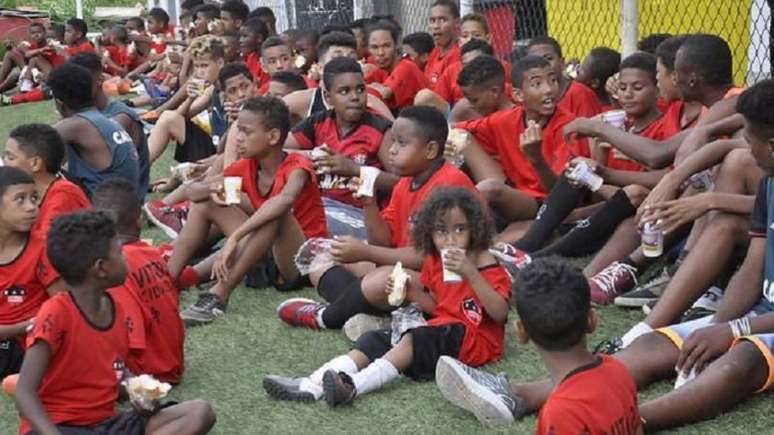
560,203
343,290
591,234
350,303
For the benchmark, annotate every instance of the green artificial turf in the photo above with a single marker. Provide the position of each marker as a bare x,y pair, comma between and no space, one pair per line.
226,361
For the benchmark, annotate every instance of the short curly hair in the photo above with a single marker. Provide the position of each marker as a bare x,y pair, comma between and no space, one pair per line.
77,240
442,200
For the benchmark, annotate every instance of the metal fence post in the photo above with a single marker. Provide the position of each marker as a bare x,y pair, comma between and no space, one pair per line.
466,7
629,25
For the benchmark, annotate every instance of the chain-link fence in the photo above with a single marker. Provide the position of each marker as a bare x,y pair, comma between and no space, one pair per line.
579,25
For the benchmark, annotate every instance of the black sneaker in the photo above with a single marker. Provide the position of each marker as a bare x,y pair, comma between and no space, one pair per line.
486,395
207,308
282,388
609,347
694,313
338,388
650,291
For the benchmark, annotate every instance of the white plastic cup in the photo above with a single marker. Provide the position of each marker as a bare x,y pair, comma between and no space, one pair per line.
584,175
652,240
368,175
232,186
448,275
616,118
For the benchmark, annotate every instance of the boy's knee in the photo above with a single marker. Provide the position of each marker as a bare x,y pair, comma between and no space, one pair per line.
728,223
202,411
169,117
742,363
636,194
491,190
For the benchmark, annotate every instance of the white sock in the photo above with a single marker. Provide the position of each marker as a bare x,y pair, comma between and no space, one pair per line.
313,383
373,377
319,318
637,330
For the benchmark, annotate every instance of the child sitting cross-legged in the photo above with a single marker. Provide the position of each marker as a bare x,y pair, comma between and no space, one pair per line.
69,381
467,315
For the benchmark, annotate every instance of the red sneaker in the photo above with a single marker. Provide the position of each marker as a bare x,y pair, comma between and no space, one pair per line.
300,312
616,279
169,218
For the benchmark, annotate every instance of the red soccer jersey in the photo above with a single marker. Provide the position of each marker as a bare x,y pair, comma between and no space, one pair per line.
307,209
158,43
447,88
405,80
499,135
80,385
61,197
151,296
439,61
405,201
361,144
659,129
580,100
459,303
596,399
82,47
376,75
253,62
23,282
119,56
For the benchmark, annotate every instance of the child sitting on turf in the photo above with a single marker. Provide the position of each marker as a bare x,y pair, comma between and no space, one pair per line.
589,393
38,150
26,277
77,350
276,56
599,65
402,78
285,83
351,137
115,55
97,147
485,84
149,293
15,58
416,155
528,140
252,34
190,124
417,46
444,25
161,32
281,209
467,317
75,38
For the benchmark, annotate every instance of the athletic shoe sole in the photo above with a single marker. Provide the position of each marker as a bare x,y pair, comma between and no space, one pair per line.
359,324
459,388
632,302
291,300
275,389
172,234
195,318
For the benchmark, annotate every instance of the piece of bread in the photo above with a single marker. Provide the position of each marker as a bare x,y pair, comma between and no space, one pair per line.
399,280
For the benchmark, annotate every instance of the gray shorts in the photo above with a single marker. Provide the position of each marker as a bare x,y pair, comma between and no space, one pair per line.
344,219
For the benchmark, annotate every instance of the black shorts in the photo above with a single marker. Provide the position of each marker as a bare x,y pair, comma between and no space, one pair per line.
125,423
11,356
429,343
198,144
263,273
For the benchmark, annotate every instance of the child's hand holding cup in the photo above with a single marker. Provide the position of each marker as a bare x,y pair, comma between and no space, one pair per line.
452,259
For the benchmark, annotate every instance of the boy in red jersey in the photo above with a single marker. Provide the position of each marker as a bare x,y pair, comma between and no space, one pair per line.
26,277
573,96
280,209
597,67
444,25
251,37
38,150
57,391
418,47
531,164
416,155
588,393
18,57
485,85
75,38
466,317
404,78
233,13
149,293
161,32
276,56
351,136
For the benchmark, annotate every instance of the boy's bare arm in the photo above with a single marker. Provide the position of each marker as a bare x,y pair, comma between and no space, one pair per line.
56,287
617,177
36,361
379,233
14,330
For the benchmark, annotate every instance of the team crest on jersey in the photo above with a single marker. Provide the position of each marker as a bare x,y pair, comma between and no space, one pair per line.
15,294
472,310
118,368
